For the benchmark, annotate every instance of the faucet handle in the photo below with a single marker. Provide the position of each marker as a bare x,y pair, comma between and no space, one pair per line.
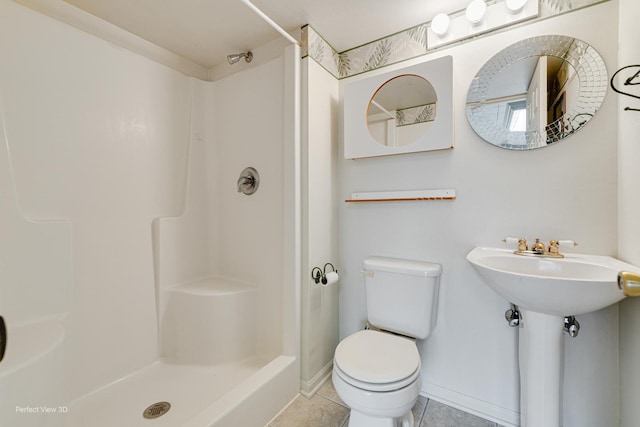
522,243
510,240
554,245
567,243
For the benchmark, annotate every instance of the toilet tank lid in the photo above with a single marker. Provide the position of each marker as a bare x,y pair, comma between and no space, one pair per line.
402,266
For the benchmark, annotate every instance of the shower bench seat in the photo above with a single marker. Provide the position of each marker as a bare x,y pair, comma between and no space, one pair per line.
209,321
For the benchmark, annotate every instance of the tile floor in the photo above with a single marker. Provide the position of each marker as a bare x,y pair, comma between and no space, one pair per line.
326,409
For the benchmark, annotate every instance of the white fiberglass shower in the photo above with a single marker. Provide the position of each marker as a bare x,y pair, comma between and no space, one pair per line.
132,271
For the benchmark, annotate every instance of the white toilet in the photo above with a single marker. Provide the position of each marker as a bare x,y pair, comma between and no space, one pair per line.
377,372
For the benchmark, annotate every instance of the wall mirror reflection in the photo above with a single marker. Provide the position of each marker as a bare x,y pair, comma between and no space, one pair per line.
407,110
402,110
537,92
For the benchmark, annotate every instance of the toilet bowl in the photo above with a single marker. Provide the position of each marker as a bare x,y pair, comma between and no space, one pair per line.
377,374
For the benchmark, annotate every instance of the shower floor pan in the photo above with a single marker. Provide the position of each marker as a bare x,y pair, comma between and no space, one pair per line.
200,396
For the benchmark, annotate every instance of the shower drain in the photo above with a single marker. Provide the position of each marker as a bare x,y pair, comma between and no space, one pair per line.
156,410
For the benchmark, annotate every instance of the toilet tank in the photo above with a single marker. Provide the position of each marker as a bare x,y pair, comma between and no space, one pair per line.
402,295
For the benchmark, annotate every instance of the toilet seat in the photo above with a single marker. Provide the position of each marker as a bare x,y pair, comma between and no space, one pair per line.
377,361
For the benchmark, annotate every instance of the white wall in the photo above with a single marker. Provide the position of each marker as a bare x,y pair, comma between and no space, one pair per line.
629,213
565,191
248,116
98,136
36,277
320,223
184,244
223,232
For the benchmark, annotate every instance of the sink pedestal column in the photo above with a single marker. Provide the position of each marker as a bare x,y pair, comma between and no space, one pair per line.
541,358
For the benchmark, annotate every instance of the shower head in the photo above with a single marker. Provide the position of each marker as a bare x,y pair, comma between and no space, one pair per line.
232,59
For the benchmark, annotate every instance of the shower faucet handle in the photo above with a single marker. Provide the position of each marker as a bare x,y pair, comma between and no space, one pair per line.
248,181
245,180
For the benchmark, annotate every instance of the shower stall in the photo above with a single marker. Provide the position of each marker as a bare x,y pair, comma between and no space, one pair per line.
138,286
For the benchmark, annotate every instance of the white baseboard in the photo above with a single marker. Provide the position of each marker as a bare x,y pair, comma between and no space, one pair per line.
310,387
503,416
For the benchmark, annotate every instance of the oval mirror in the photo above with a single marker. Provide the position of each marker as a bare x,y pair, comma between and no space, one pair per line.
536,92
401,110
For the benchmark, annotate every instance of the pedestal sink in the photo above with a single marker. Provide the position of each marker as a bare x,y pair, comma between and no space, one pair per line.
546,290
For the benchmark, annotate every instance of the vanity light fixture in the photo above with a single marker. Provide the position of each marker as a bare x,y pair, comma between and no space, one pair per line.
515,6
479,17
475,11
440,24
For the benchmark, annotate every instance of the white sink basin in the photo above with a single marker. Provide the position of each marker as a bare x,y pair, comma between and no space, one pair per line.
572,285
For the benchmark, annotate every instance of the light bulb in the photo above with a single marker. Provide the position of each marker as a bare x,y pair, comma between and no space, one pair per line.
515,6
475,11
440,24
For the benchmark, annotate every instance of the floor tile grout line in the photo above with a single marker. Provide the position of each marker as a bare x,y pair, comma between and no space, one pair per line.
331,400
334,401
424,411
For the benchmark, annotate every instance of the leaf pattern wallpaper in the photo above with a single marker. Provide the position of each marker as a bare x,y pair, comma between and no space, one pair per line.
314,46
397,47
415,115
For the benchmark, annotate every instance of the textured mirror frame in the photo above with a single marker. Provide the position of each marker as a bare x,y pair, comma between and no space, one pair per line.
588,65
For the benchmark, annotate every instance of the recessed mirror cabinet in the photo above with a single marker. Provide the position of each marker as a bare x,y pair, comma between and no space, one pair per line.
537,92
404,111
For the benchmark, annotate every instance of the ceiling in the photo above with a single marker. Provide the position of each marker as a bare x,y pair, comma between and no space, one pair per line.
206,31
